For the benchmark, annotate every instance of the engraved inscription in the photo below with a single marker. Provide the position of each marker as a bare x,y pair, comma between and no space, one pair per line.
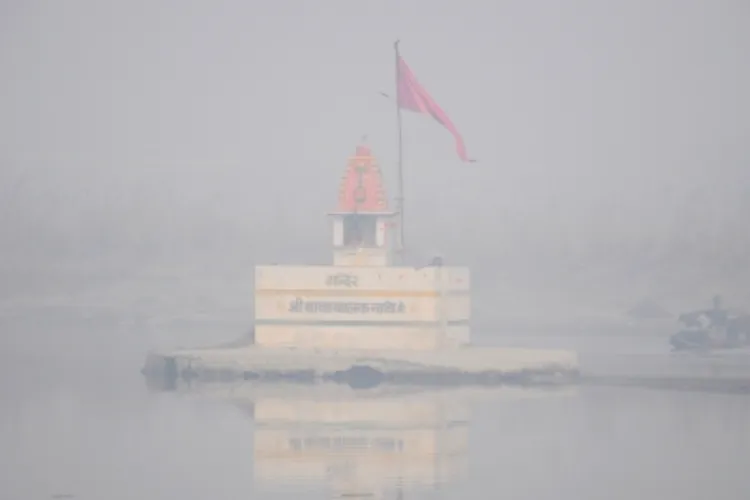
299,305
341,279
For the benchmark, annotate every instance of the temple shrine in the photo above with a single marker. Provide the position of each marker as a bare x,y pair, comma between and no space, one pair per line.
365,299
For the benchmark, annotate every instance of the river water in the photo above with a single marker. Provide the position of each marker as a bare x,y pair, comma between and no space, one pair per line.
77,421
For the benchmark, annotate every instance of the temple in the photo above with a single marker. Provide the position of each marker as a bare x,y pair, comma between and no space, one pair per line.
365,299
365,319
363,227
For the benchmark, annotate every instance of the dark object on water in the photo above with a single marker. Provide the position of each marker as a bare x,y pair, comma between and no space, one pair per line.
715,328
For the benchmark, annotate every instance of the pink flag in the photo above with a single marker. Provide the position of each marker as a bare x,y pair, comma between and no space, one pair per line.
412,96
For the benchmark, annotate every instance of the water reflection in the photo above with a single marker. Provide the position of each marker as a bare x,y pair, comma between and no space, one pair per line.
380,443
75,418
116,441
362,444
355,443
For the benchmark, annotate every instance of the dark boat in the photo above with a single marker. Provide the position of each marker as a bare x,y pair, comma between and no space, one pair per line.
715,328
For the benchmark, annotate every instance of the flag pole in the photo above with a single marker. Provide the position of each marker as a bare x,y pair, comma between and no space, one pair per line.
400,198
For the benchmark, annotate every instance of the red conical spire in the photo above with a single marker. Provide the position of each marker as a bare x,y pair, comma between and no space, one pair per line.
362,188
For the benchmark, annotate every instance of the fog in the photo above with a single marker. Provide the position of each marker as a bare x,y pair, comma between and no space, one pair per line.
210,136
153,152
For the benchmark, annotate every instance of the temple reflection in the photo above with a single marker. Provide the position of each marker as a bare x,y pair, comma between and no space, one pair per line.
380,443
373,443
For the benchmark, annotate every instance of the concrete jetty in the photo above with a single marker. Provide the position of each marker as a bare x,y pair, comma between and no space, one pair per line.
364,368
727,373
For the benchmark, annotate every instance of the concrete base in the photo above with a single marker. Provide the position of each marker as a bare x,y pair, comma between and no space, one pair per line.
463,366
727,372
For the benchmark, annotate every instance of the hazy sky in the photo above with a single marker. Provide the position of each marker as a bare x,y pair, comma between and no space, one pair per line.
161,116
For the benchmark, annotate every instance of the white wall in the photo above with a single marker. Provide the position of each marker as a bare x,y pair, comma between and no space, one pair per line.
369,307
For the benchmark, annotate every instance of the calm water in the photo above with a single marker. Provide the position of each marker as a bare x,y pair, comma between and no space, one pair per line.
76,419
